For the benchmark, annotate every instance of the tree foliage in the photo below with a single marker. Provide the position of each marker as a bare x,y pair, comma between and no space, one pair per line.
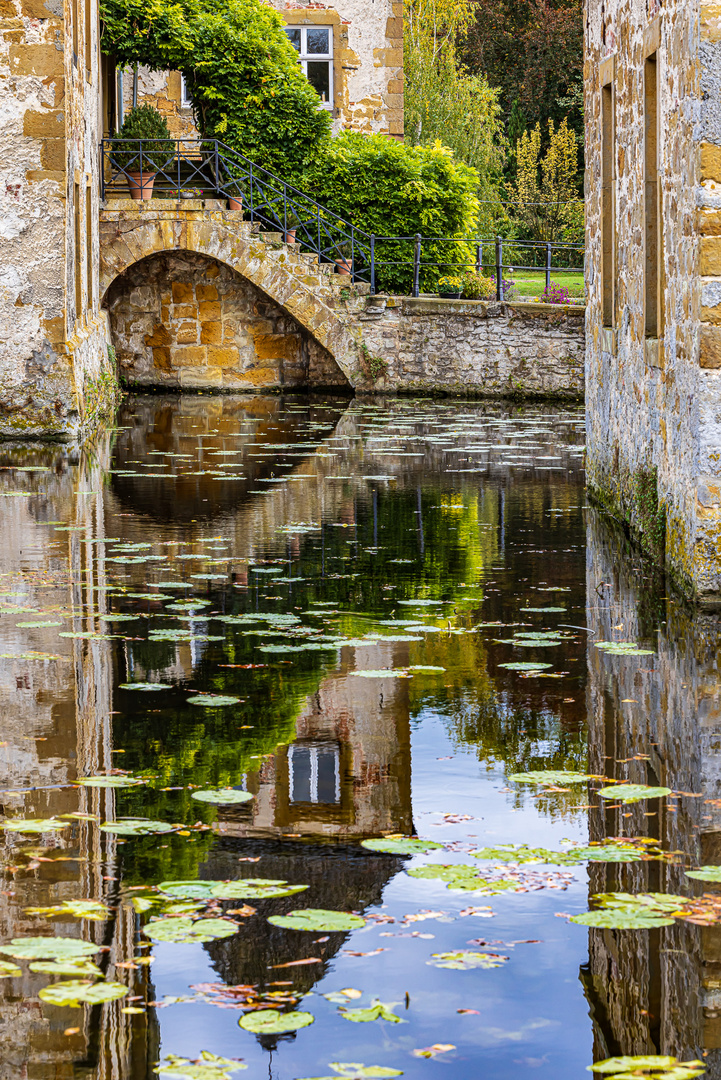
546,186
532,51
242,72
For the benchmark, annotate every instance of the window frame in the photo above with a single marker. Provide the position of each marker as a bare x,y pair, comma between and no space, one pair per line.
186,101
304,56
314,750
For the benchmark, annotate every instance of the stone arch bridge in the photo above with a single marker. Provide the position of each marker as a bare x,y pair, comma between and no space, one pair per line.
199,297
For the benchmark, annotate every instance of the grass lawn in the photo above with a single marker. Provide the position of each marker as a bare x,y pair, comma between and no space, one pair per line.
532,283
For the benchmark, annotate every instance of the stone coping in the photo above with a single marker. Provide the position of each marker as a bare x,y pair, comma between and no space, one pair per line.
426,305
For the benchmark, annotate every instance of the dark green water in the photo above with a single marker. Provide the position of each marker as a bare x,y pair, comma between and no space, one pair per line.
358,577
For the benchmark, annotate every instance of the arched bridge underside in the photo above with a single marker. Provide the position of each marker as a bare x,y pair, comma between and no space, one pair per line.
194,329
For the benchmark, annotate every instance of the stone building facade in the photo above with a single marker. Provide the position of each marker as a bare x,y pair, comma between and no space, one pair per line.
653,212
53,334
352,53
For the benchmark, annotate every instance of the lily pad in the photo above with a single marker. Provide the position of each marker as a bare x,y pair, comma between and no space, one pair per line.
649,1066
632,793
212,701
466,960
109,781
460,876
377,1010
74,968
186,931
75,993
81,909
353,1070
705,873
49,948
34,825
400,845
555,777
525,667
318,920
136,827
610,919
207,1067
223,796
8,970
243,889
145,686
272,1022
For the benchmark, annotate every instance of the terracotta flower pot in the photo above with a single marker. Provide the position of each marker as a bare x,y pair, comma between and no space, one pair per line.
140,185
235,204
290,236
344,266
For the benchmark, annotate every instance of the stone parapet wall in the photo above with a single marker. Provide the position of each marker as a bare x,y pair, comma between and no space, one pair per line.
464,346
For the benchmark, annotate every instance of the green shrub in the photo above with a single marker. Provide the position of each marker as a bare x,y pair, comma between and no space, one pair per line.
144,122
386,188
246,84
478,287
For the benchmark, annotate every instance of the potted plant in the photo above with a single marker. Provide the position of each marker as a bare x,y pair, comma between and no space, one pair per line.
343,261
478,287
141,160
450,286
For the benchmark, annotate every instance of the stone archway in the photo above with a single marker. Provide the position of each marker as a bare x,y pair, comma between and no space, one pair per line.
284,277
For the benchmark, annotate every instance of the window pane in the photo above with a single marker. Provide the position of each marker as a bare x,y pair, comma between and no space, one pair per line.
317,41
326,776
319,77
294,36
300,774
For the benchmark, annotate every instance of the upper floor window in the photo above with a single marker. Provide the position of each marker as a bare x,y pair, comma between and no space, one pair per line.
314,773
314,45
185,99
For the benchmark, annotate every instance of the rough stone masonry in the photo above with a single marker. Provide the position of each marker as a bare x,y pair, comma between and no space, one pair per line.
653,255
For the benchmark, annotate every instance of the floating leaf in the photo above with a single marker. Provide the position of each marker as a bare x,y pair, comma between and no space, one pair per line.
377,1010
400,845
525,667
145,686
81,909
549,776
705,873
136,827
34,825
74,968
207,1067
651,1066
109,781
272,1022
49,948
460,876
76,993
243,889
466,960
622,648
212,701
620,920
8,970
353,1070
631,793
223,796
186,931
317,919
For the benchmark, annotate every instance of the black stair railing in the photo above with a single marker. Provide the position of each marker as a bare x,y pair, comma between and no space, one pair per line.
209,169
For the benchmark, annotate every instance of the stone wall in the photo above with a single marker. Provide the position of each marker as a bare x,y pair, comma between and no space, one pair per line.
53,337
183,320
447,346
654,402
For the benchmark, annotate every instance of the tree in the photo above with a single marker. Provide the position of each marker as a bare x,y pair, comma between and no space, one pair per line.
546,187
246,84
445,103
532,51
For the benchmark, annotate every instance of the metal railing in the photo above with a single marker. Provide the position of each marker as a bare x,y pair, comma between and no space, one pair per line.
208,168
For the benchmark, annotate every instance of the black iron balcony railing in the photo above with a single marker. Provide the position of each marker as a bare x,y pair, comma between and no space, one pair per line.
209,169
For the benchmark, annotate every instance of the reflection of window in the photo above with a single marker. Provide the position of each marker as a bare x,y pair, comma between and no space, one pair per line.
314,45
314,773
185,99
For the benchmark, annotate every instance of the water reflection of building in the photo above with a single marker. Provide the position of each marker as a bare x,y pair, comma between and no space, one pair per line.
653,720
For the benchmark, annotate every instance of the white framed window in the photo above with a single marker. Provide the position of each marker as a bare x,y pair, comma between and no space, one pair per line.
314,773
185,99
314,45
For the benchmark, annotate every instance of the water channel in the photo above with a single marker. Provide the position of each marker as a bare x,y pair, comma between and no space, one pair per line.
402,602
